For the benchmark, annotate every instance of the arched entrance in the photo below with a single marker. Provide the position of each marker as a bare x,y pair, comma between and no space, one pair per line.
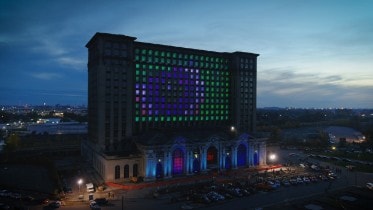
159,170
177,162
241,155
256,158
212,157
196,165
228,162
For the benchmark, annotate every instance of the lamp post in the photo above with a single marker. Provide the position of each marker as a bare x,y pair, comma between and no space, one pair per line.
80,181
272,157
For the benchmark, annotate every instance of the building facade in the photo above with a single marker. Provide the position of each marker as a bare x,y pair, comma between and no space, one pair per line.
139,92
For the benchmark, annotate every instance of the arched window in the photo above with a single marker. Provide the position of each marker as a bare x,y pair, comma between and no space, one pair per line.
178,162
135,170
241,155
117,172
126,171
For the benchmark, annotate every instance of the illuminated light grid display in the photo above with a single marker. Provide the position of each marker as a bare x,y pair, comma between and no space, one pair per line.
172,87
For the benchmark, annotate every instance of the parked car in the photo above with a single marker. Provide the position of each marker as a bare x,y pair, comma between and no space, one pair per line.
299,180
94,205
273,184
293,181
54,204
306,180
285,183
369,185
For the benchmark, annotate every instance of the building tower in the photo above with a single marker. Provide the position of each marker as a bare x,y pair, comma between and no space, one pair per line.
135,88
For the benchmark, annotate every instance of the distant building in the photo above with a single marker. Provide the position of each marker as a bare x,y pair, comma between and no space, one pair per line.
163,111
58,128
48,121
349,135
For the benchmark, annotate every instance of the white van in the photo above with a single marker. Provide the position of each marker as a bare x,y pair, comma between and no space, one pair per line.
90,188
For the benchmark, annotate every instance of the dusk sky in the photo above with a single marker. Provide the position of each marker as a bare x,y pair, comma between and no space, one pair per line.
316,53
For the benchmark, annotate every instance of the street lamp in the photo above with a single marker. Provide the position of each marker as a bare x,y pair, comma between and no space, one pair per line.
272,157
80,181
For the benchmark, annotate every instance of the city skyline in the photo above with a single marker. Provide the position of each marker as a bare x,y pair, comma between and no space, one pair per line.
312,54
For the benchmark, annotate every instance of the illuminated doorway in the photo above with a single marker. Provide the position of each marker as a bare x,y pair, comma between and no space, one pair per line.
159,170
228,162
177,162
212,157
241,155
256,158
196,165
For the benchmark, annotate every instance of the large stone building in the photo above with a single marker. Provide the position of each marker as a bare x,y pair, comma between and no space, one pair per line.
160,111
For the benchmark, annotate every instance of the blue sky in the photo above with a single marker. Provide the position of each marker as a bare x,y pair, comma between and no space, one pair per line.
315,53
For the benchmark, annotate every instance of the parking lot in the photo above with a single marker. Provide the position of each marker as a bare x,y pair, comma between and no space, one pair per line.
299,177
245,184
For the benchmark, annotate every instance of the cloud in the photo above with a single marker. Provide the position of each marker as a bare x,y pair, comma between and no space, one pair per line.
287,87
310,53
75,63
333,78
48,46
46,75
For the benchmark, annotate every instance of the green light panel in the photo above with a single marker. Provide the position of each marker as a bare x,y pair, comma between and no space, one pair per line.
171,87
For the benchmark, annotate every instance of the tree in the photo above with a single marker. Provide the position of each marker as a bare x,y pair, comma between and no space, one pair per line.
342,142
12,142
276,135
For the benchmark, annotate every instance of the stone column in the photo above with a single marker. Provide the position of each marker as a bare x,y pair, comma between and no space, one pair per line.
251,154
203,159
187,161
263,154
168,164
150,166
